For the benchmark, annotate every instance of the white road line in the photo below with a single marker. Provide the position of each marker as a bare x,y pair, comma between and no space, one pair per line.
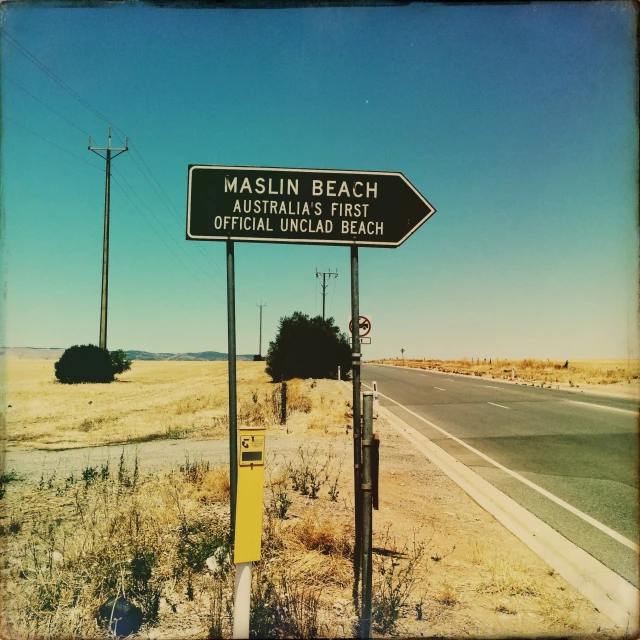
498,405
602,406
439,389
490,387
449,379
587,518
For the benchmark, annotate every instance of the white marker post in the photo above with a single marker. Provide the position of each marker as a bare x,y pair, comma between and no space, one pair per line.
513,373
376,399
242,608
339,373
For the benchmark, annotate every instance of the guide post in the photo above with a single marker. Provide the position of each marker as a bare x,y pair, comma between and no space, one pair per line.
367,513
233,406
248,532
357,449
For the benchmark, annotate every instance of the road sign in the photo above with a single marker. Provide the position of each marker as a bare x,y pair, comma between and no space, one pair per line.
364,324
361,340
303,206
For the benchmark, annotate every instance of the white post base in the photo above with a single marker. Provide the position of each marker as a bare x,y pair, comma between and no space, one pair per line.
242,606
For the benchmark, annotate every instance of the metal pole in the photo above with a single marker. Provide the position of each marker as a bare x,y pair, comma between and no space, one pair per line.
105,251
233,407
242,603
105,245
367,512
260,342
357,436
324,275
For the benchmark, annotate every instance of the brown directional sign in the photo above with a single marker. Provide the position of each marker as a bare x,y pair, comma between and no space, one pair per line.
303,206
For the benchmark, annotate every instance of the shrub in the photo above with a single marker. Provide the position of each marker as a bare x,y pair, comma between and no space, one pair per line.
88,363
307,347
119,361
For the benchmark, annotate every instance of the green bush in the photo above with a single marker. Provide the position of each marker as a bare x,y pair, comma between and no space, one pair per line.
308,347
88,363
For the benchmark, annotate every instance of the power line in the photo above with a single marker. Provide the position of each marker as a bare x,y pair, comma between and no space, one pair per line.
37,135
55,144
43,103
29,56
160,223
135,206
333,293
176,215
32,58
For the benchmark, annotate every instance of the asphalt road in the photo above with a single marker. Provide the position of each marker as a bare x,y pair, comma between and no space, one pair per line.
581,448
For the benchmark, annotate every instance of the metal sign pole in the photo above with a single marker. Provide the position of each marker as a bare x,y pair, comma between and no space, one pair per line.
367,528
233,407
357,435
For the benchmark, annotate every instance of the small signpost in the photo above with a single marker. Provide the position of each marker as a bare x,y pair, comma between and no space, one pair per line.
248,534
298,206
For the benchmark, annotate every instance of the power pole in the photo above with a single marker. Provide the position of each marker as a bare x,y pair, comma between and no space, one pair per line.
105,245
260,343
324,275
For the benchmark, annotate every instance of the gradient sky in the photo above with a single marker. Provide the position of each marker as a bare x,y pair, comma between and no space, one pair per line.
517,122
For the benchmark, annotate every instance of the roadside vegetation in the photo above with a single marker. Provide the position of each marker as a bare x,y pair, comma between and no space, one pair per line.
72,542
529,370
308,347
155,401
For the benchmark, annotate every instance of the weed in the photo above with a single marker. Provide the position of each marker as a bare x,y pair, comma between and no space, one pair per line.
325,535
196,542
89,475
395,579
194,472
310,473
447,595
280,501
282,609
5,479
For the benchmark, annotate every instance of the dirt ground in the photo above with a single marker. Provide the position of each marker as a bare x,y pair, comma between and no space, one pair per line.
475,580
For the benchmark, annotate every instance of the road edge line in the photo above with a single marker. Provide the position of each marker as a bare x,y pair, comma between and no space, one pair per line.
609,592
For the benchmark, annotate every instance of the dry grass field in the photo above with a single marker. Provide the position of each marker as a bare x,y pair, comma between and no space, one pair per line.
154,400
442,566
623,374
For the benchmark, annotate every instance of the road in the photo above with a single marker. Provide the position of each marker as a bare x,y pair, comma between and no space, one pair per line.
569,458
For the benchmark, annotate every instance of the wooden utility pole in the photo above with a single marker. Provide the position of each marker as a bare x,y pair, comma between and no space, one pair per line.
105,243
260,342
324,285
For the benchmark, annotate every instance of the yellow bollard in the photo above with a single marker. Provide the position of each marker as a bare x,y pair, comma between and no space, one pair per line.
248,531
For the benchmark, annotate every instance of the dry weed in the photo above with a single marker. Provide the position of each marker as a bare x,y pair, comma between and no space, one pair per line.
508,577
324,534
531,370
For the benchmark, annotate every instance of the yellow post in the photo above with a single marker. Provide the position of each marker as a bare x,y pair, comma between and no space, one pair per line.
248,530
249,503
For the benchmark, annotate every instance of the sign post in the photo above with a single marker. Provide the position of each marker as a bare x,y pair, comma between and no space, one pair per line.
233,404
298,206
357,426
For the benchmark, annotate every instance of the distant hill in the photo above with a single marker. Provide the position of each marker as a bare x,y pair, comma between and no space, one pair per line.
30,353
54,353
199,356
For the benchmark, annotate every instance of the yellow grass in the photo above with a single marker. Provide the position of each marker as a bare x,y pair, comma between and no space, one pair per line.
152,401
598,372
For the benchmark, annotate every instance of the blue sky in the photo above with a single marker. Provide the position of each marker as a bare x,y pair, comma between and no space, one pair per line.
517,122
